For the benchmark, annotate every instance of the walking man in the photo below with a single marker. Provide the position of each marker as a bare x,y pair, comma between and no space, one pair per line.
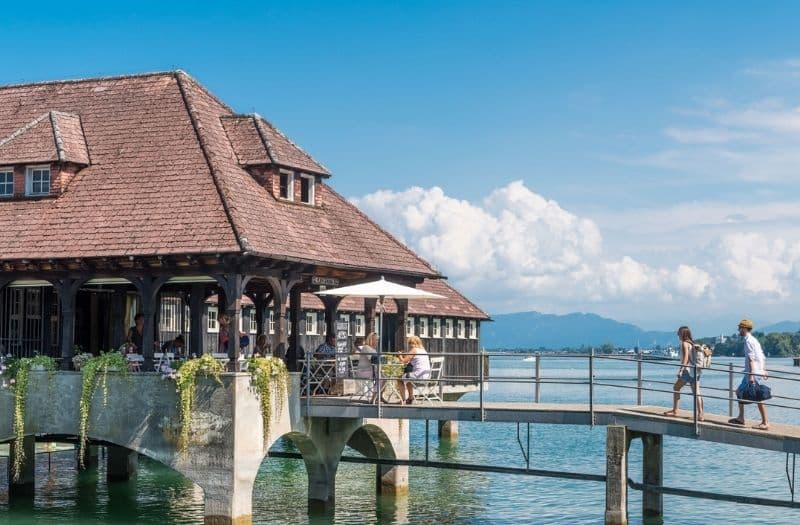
755,371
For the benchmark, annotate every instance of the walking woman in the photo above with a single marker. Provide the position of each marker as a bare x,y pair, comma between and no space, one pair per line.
686,373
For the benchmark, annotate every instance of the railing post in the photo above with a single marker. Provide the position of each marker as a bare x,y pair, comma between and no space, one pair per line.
538,374
694,398
378,388
480,390
308,383
730,389
591,385
639,378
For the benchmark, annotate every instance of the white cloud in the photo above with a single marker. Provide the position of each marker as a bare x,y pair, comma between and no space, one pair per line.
761,265
705,135
517,244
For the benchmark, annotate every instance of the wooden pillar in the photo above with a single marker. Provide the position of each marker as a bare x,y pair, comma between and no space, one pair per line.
296,307
233,286
616,475
197,319
121,463
369,315
148,287
47,303
331,312
94,325
67,290
652,476
117,317
281,288
24,482
400,329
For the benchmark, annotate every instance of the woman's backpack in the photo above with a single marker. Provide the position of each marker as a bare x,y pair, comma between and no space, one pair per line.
702,355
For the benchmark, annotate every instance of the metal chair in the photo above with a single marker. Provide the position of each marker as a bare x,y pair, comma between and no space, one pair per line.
428,389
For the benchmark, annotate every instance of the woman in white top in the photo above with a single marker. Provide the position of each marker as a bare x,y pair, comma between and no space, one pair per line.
686,373
420,367
367,351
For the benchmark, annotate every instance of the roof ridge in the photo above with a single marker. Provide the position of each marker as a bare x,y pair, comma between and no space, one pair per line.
380,228
190,78
192,111
279,132
90,79
446,282
260,130
25,128
57,137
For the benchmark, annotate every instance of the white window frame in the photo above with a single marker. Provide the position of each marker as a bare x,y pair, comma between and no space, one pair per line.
212,324
436,327
410,326
311,323
345,318
271,322
312,182
289,185
423,327
461,327
448,329
29,171
473,329
360,322
4,184
253,323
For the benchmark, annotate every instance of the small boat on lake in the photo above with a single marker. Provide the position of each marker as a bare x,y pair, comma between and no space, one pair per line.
530,358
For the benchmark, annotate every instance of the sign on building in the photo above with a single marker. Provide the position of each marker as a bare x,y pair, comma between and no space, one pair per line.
342,348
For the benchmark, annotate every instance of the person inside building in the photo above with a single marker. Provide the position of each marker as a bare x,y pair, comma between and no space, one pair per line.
417,366
177,346
136,334
262,348
224,327
326,350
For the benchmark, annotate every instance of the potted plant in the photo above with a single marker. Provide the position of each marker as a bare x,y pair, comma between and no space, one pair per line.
80,360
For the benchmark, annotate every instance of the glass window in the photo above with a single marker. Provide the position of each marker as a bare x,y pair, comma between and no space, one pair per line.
360,322
460,329
448,328
423,327
436,330
37,181
6,182
345,318
253,324
311,323
473,329
286,185
272,321
212,319
307,189
409,326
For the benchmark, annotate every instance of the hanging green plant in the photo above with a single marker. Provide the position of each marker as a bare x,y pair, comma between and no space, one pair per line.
270,378
94,373
186,383
19,380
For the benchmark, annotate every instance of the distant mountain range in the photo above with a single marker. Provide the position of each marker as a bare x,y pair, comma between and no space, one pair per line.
538,330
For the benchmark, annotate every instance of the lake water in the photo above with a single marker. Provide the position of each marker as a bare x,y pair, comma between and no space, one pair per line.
161,496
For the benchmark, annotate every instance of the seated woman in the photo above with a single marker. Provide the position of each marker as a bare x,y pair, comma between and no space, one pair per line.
418,366
177,346
365,359
262,347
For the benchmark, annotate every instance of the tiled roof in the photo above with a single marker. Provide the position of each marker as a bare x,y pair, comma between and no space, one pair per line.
51,137
454,304
164,178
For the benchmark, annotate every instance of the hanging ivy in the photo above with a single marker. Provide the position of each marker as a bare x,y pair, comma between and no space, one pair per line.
270,378
19,374
94,373
186,383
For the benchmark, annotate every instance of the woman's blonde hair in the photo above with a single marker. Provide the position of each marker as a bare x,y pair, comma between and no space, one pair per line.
415,342
372,340
262,341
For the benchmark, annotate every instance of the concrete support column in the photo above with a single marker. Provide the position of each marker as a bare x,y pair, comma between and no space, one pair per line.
448,430
296,310
121,463
616,475
90,460
400,329
652,475
229,504
22,483
67,289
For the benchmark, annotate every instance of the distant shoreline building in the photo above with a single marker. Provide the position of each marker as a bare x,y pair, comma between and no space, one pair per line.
147,193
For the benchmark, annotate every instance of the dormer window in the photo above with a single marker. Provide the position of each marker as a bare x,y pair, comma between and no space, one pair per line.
6,182
286,190
37,181
307,189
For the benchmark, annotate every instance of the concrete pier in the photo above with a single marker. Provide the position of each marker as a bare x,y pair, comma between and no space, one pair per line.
448,430
91,457
652,476
616,475
121,464
25,484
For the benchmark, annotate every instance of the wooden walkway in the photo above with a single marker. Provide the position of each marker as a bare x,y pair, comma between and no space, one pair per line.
780,437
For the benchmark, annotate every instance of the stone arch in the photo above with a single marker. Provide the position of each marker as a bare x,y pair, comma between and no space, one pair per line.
384,439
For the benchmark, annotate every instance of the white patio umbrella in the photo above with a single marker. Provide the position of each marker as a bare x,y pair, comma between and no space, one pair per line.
381,290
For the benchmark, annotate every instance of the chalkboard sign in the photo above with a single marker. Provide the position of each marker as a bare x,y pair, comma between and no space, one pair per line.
342,349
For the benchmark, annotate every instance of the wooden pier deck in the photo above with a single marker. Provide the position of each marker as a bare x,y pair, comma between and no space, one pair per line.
650,419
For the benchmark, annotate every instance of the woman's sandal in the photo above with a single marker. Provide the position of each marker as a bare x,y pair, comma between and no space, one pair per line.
735,421
761,426
670,413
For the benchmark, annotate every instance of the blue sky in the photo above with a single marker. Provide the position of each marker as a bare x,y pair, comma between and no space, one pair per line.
655,127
